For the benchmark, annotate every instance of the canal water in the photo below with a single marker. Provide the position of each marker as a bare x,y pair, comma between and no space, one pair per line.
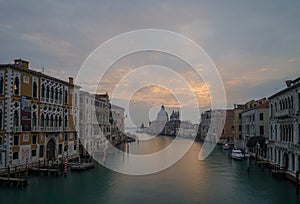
216,179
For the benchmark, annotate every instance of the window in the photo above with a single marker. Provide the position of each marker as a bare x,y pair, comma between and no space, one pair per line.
1,121
34,89
261,116
34,119
60,149
66,96
75,136
240,127
16,140
48,92
33,139
26,79
43,91
66,137
33,153
240,115
1,85
42,120
261,130
76,99
16,86
75,147
16,118
1,142
66,121
41,154
25,138
16,155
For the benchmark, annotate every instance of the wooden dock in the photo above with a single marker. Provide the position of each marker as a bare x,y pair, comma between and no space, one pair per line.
14,182
45,171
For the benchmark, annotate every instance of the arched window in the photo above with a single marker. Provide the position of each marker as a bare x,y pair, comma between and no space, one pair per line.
56,121
1,120
66,121
47,120
34,89
51,121
59,121
16,86
292,102
56,94
16,118
43,91
34,119
48,92
1,85
66,96
42,120
52,93
60,96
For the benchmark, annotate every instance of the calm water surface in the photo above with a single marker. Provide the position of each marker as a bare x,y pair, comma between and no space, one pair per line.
214,180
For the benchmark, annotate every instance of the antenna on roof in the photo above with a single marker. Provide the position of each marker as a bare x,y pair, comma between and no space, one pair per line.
43,69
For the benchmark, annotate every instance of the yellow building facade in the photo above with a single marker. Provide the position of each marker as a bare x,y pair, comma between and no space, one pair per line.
38,116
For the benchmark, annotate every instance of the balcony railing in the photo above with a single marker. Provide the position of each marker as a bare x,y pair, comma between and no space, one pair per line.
284,112
35,129
17,129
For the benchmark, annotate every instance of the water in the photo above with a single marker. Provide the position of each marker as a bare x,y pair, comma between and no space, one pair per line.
214,180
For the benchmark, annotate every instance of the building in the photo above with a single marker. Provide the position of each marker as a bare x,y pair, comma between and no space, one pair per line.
38,115
237,125
255,125
216,125
284,137
118,117
95,126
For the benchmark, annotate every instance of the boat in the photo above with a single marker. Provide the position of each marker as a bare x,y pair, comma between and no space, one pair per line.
226,146
237,154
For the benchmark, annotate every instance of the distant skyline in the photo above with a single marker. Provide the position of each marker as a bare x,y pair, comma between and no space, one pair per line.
254,44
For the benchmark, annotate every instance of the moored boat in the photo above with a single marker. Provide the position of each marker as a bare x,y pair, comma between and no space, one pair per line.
237,154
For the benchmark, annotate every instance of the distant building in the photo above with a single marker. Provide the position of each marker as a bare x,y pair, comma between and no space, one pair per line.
255,123
284,137
217,124
237,115
118,117
38,115
94,122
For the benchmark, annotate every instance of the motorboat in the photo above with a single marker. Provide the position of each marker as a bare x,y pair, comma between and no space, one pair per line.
226,146
237,154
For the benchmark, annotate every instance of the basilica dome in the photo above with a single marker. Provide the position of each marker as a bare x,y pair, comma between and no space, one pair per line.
162,115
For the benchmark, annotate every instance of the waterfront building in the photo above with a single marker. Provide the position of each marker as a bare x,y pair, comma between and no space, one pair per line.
237,126
37,119
216,125
95,126
255,125
284,137
118,117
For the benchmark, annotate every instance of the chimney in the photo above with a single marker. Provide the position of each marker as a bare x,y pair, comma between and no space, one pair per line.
71,80
288,83
22,63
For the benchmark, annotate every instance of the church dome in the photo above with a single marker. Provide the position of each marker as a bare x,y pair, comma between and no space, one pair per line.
173,116
162,115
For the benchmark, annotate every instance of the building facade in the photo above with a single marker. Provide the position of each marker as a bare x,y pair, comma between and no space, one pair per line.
38,115
284,137
255,125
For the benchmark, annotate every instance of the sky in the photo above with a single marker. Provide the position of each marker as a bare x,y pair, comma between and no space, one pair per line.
254,44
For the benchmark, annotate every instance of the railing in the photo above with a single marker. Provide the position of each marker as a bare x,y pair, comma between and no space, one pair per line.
17,129
284,112
35,129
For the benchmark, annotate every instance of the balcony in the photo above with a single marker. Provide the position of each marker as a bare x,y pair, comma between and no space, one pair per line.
284,113
35,129
17,129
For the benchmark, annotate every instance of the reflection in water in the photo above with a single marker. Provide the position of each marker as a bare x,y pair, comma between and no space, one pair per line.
213,180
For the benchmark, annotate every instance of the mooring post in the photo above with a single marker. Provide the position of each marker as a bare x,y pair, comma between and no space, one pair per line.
248,164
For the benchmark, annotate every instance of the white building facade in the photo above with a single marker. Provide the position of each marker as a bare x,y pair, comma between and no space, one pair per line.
284,137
